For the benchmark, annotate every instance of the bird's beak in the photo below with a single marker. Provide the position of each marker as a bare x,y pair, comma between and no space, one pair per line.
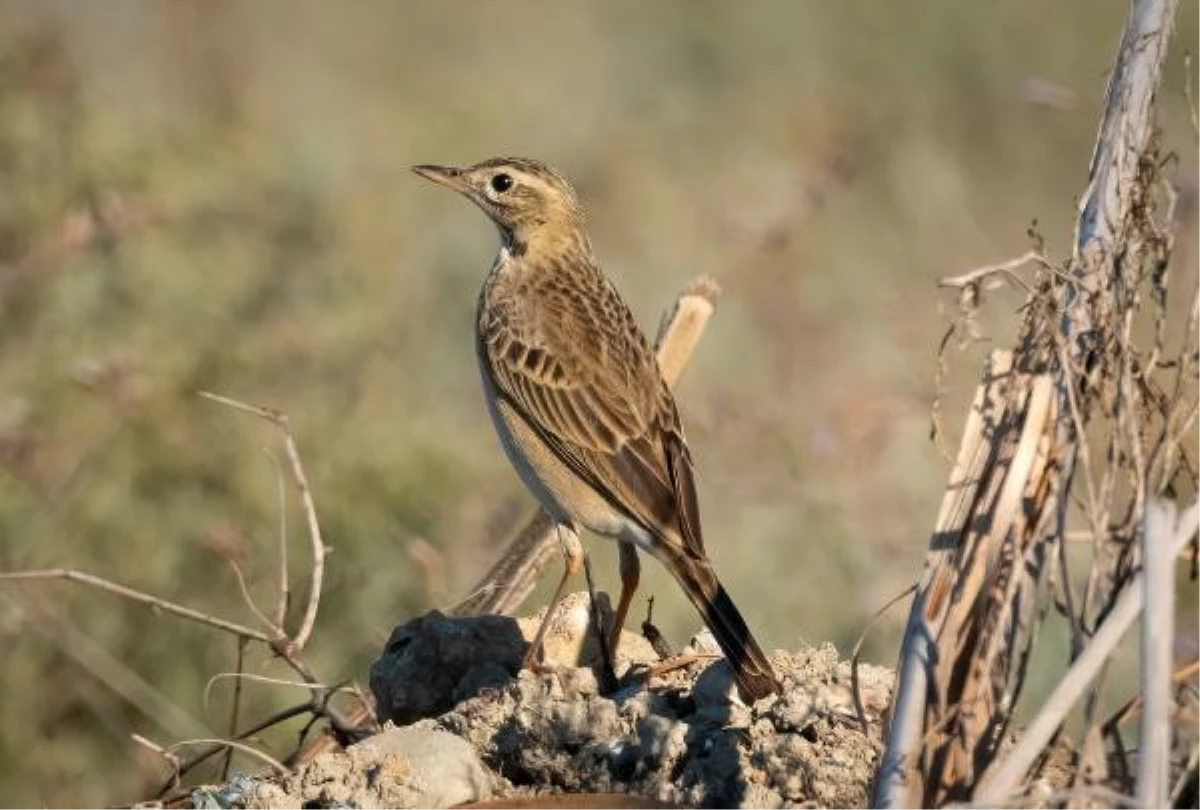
447,176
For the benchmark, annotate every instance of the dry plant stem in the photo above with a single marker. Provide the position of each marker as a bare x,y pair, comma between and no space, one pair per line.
1126,127
897,770
317,545
1007,269
1004,778
275,630
513,576
251,751
170,756
1154,739
279,644
1184,777
204,756
859,711
275,637
235,710
650,632
285,595
240,676
510,580
1092,795
1009,490
678,662
139,596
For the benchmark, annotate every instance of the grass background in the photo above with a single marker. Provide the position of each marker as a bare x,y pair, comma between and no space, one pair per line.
217,195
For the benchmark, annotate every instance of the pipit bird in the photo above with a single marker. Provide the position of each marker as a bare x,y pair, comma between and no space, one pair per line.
578,401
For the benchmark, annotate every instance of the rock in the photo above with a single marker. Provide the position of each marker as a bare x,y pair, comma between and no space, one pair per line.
417,766
716,696
434,660
433,766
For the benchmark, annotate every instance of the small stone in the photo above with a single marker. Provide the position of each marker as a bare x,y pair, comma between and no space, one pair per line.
441,769
428,662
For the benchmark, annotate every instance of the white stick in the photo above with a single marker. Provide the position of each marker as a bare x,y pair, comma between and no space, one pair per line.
1154,738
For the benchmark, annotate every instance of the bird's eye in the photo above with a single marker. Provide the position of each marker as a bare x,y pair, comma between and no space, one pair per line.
502,182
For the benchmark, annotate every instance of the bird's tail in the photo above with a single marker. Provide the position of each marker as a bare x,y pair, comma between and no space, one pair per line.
750,665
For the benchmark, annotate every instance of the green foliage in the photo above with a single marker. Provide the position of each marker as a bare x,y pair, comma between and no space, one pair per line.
216,196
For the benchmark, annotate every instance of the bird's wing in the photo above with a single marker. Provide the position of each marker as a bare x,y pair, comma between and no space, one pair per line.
580,373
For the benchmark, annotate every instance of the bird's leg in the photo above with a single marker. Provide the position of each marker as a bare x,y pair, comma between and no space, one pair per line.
631,573
573,554
608,675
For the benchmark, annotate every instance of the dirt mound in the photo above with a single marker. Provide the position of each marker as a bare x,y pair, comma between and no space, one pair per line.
672,732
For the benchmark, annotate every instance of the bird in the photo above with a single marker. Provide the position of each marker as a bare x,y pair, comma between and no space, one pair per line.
580,405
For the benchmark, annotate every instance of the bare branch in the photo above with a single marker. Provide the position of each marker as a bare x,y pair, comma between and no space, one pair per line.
235,709
261,756
204,756
275,630
317,545
190,614
285,595
240,676
1134,704
170,756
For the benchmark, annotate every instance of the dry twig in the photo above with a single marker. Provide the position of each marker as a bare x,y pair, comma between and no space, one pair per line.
274,636
169,751
316,544
134,595
235,709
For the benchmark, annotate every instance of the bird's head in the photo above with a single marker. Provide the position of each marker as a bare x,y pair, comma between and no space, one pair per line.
526,199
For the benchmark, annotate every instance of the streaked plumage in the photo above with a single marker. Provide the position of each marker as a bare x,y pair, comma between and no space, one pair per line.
577,397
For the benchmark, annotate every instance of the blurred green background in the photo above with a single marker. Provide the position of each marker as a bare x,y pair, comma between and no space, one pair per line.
217,195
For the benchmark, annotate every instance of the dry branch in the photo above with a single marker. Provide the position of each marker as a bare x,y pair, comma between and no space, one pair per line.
139,596
274,635
316,544
1004,513
236,707
169,751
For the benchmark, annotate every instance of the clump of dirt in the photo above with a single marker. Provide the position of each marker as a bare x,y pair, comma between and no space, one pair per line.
674,732
685,741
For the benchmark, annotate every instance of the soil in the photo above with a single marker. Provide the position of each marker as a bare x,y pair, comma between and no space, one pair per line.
674,732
